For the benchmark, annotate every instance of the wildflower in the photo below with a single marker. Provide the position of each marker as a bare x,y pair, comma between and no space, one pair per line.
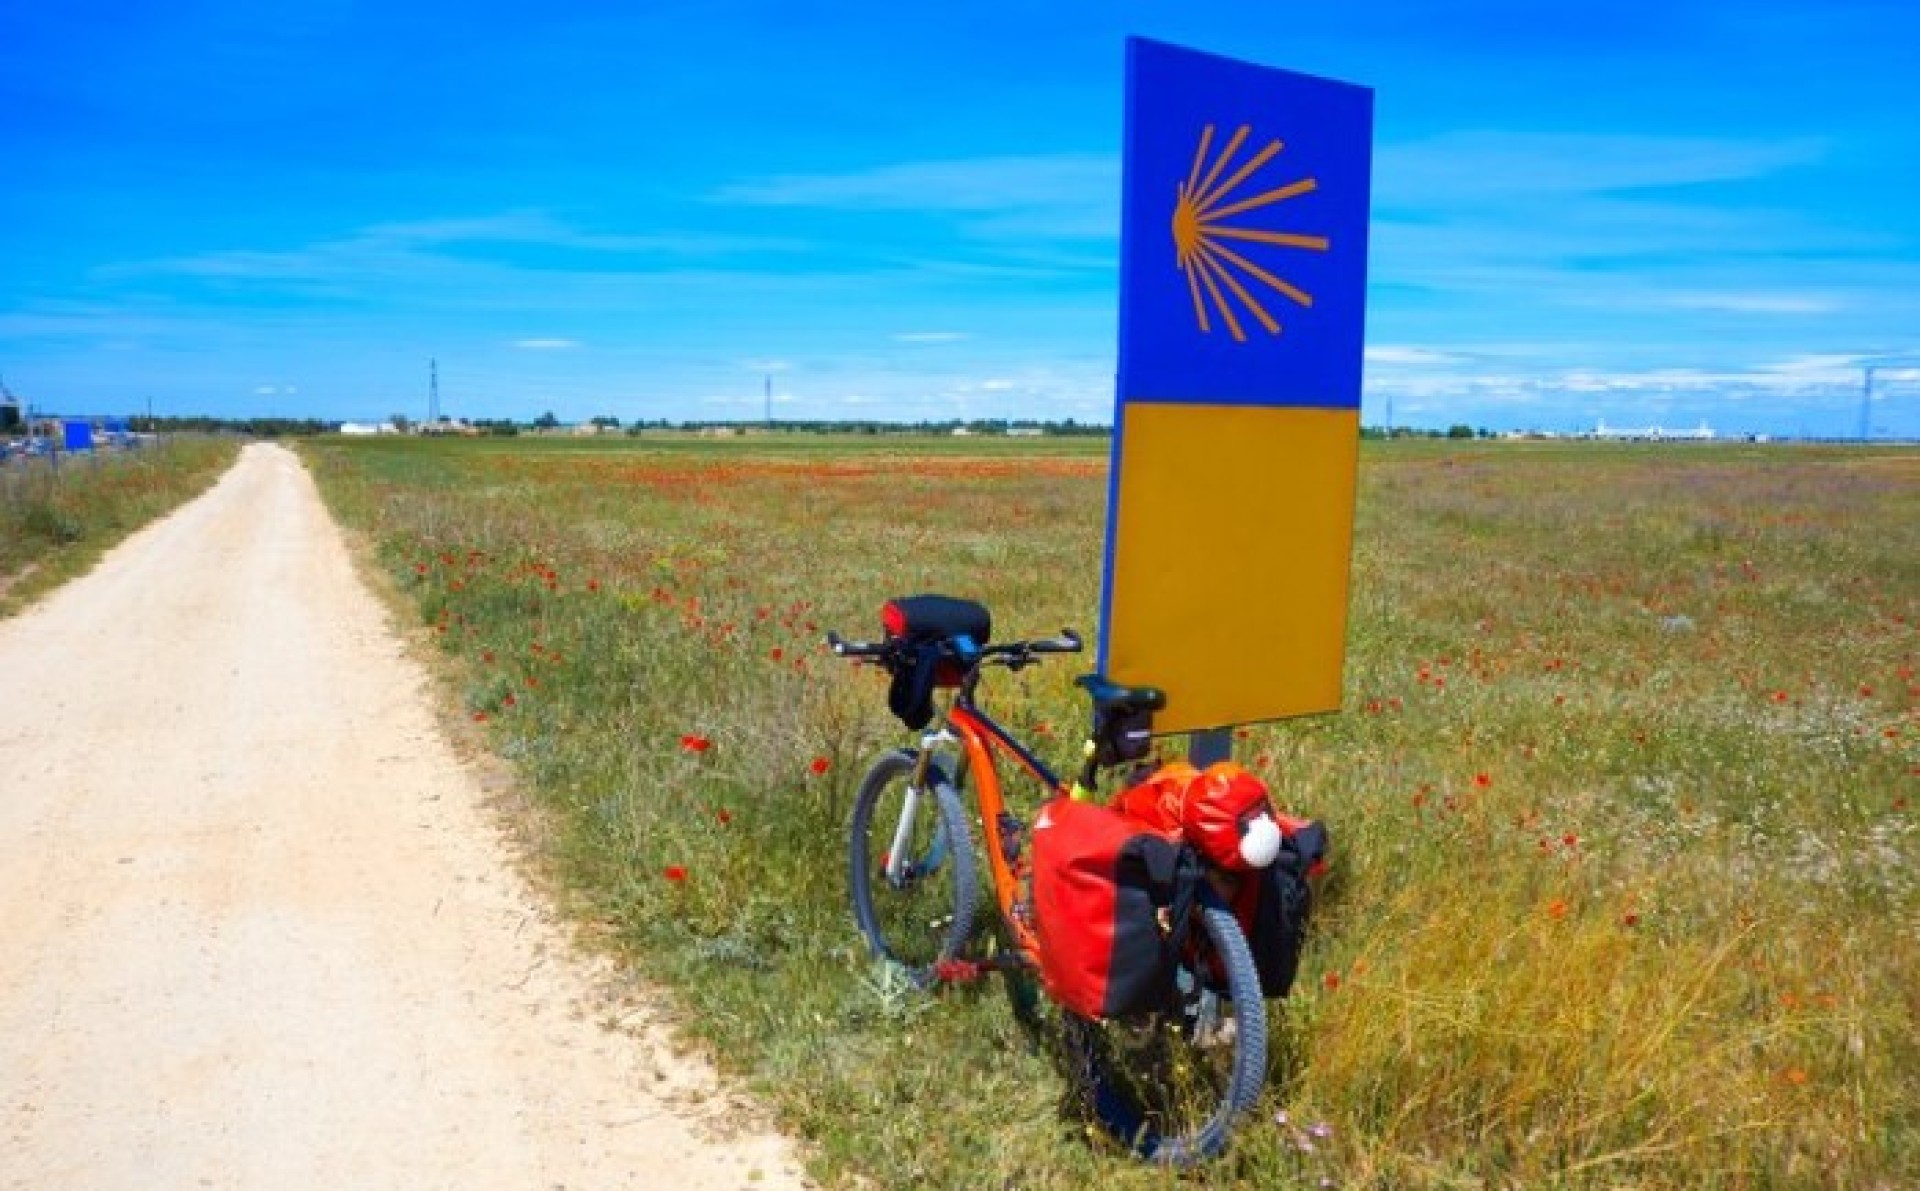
1557,908
725,816
1629,919
1482,780
693,743
1331,982
507,701
593,585
776,653
819,766
1794,1075
479,717
486,655
677,873
1570,840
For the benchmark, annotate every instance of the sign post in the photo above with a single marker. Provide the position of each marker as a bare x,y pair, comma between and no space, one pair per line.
1237,417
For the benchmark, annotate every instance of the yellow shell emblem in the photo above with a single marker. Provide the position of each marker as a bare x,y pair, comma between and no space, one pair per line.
1215,271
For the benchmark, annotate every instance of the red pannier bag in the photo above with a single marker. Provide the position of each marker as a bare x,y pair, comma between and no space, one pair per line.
1110,900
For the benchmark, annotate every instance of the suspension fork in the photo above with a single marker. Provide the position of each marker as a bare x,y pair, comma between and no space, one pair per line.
898,859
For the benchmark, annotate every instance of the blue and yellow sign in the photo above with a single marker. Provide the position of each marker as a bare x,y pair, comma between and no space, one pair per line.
1243,267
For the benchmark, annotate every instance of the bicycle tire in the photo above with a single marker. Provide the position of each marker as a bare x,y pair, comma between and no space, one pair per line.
925,916
1157,1083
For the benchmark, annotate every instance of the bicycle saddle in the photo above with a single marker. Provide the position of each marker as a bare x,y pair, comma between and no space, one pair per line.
1110,696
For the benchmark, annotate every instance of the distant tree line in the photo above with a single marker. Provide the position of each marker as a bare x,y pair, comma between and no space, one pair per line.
257,427
1457,430
548,422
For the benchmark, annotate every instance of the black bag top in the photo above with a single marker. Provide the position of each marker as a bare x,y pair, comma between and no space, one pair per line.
937,618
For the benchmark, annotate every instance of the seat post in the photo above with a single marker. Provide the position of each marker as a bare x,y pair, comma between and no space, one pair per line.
1210,746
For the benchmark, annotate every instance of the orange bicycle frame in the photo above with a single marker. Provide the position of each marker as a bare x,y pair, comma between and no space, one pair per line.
978,733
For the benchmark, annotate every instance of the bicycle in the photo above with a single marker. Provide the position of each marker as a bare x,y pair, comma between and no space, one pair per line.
1167,1083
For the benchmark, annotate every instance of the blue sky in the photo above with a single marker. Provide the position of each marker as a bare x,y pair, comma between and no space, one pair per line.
1637,213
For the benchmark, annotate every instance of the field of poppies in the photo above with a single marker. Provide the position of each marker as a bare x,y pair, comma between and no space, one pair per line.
1627,877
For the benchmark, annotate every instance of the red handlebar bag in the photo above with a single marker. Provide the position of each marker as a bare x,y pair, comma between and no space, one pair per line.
1111,898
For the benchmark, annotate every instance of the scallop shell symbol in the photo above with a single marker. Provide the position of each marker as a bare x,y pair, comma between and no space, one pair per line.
1217,275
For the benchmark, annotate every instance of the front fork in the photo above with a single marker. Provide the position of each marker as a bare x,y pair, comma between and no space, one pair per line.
901,864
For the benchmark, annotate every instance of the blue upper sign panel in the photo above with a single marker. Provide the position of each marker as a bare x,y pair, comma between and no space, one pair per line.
1243,233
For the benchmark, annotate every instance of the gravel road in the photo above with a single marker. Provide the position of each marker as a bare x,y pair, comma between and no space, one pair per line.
259,929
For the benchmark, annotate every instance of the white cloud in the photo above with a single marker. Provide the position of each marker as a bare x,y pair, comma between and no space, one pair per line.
1392,354
1754,303
976,184
1488,166
931,337
544,345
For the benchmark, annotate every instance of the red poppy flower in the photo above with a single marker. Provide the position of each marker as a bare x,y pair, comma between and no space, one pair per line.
677,873
479,717
776,653
695,744
820,766
1557,908
1483,780
725,817
1331,981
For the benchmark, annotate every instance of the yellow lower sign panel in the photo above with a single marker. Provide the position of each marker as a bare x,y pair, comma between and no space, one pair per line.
1232,533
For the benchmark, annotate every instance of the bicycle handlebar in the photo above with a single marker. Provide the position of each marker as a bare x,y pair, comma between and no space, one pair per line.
1067,642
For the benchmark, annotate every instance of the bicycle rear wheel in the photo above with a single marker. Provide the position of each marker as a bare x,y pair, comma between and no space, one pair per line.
1169,1085
917,912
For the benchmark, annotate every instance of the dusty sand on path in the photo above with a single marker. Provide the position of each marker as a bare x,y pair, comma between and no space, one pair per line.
257,928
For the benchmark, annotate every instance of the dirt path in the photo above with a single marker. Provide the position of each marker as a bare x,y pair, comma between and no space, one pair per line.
257,929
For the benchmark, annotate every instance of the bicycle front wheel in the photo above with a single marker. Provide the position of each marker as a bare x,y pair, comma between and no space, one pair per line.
910,866
1169,1085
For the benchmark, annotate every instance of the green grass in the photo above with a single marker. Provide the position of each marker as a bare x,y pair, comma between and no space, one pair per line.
1626,888
58,518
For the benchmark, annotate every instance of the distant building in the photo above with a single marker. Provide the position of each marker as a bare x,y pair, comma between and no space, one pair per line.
1703,433
368,428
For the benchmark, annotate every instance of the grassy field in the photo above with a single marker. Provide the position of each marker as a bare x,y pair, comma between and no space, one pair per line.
55,521
1627,888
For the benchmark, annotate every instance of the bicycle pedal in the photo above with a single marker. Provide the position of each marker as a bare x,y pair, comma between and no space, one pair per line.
959,971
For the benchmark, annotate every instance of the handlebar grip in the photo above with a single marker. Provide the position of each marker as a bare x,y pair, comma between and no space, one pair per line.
1067,642
853,649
